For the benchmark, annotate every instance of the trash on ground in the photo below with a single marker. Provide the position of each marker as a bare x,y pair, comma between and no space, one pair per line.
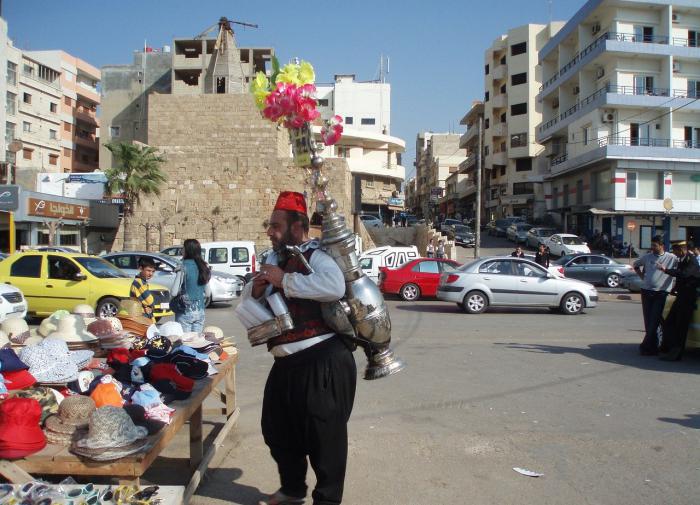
528,473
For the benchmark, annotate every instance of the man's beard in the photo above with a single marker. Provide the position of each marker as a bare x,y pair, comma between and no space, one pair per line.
281,246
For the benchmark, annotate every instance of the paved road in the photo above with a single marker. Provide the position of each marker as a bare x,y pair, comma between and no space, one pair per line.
565,396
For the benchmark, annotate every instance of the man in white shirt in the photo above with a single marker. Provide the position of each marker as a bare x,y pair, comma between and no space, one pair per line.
310,391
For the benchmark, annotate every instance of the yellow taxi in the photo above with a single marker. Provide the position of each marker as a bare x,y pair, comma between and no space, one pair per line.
693,340
53,280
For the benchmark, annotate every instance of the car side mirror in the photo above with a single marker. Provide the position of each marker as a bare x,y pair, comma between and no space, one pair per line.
80,276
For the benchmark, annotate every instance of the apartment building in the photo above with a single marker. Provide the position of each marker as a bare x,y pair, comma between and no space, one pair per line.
373,155
437,156
79,134
621,120
511,83
10,59
465,200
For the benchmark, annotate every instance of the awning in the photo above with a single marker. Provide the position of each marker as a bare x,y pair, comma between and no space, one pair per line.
610,212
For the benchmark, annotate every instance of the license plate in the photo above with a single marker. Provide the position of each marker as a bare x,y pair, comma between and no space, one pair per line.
18,308
165,305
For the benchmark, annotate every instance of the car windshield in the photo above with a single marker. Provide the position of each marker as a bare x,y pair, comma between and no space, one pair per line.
101,268
564,259
572,241
466,266
523,226
545,232
460,228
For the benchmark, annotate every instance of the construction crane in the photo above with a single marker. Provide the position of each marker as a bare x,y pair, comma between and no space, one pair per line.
226,64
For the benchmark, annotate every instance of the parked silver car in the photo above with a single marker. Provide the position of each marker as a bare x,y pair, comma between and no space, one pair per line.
517,232
224,287
508,281
537,236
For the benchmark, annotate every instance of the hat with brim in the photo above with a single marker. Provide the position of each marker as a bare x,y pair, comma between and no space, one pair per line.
72,329
111,454
59,348
110,428
19,379
194,339
45,396
65,439
20,434
73,413
47,364
16,329
10,362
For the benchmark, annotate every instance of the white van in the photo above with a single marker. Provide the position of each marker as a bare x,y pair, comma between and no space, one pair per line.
385,256
235,257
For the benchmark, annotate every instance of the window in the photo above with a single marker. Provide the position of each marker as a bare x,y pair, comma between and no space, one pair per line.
503,60
586,135
447,267
693,38
503,170
26,127
518,109
27,98
428,267
124,262
523,164
28,70
67,127
504,117
348,119
11,73
62,268
516,79
516,49
486,69
370,183
53,107
598,260
487,123
523,188
53,159
486,96
113,131
27,153
9,132
650,184
555,197
52,134
602,187
323,102
518,140
501,267
218,255
631,184
239,255
11,103
527,270
67,100
486,150
27,266
503,88
684,187
367,121
643,84
643,33
342,152
693,88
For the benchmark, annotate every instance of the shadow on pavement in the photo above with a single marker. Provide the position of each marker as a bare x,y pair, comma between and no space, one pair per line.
220,484
620,354
440,307
690,421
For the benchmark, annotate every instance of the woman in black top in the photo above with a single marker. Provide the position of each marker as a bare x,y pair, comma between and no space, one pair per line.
542,256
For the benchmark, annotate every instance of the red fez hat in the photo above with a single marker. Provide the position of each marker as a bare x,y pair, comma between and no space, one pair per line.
291,200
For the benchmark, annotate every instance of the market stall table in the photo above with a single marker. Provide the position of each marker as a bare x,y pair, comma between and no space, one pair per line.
57,460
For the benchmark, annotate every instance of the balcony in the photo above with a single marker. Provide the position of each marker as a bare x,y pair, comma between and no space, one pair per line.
499,158
85,139
500,101
621,42
619,147
86,114
468,163
499,130
467,136
79,166
499,72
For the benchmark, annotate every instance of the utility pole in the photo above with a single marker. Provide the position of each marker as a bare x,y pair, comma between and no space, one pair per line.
477,226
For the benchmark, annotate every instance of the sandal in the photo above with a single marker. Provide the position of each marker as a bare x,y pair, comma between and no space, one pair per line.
279,498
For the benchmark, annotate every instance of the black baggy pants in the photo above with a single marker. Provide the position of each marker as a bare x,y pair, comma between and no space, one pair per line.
307,404
653,303
678,321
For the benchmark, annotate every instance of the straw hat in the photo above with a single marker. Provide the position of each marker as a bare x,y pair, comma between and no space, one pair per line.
112,435
72,329
83,310
16,329
73,414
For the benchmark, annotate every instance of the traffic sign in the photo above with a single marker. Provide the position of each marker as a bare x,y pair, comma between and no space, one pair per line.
631,225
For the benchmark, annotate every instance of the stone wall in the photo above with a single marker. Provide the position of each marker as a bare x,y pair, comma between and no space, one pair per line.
225,167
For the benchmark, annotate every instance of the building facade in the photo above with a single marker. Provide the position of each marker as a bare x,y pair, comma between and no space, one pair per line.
621,120
373,155
466,201
511,82
438,155
79,134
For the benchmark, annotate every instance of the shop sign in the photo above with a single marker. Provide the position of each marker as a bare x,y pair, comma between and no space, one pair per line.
9,198
396,202
49,208
435,194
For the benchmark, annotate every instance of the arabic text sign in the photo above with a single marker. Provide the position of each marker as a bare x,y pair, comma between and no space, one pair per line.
48,208
9,198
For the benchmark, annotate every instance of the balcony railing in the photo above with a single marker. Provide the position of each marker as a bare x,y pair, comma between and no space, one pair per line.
620,37
616,140
559,159
637,90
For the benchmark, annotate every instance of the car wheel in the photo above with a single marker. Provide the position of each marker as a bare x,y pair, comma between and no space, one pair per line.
612,281
475,302
107,307
572,304
410,292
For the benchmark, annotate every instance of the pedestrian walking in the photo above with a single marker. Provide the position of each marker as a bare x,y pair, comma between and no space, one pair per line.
441,249
675,326
310,390
191,288
518,253
431,249
397,220
404,218
141,290
542,255
656,285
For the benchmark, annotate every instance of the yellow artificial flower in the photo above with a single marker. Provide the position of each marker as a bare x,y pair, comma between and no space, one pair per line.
306,73
260,83
289,74
260,97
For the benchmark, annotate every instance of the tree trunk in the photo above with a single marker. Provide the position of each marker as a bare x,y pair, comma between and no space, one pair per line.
126,246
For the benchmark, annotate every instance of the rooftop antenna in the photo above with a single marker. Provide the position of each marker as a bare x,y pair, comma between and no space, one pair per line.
550,10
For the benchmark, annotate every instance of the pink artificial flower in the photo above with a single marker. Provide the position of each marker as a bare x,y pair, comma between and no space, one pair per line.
332,130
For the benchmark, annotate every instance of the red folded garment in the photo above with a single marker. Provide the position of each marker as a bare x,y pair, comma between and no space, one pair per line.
166,371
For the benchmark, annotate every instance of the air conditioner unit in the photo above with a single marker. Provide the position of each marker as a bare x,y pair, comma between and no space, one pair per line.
608,117
600,73
595,28
577,90
674,18
676,66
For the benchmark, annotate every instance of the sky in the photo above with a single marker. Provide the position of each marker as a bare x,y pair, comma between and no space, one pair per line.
436,48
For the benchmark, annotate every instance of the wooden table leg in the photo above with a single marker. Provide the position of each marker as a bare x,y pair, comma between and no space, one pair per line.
230,385
13,473
196,448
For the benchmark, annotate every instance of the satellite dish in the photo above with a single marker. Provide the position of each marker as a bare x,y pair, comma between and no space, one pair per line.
668,204
15,146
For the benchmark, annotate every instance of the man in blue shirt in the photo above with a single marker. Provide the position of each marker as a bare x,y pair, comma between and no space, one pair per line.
655,288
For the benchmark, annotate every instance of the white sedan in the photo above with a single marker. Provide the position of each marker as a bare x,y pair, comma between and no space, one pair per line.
12,303
566,243
371,221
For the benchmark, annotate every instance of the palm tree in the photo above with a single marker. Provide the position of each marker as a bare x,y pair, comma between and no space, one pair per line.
136,173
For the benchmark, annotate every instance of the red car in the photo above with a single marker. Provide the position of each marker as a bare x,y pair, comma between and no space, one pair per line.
418,277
